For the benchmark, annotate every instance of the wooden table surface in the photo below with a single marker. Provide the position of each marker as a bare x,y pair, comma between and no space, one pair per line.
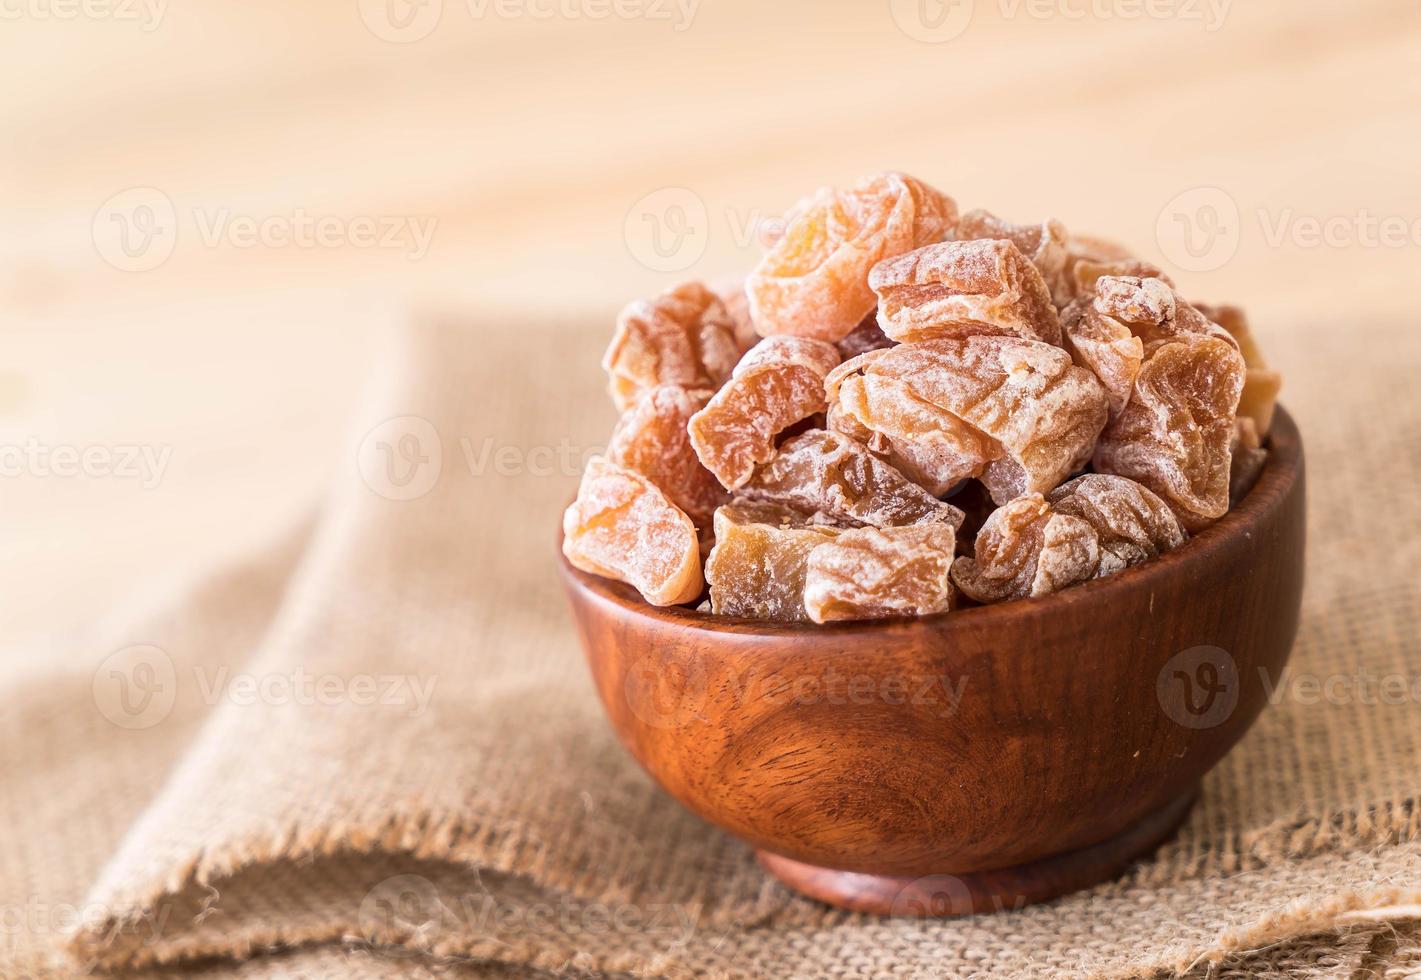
210,208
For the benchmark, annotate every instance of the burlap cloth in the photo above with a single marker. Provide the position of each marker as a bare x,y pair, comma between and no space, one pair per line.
371,748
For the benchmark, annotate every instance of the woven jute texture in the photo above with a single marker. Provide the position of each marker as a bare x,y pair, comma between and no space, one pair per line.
371,747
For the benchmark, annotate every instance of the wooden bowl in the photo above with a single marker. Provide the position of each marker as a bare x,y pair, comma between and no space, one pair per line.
974,760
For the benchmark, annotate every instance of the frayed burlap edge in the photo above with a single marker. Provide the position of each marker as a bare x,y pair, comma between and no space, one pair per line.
1332,915
101,945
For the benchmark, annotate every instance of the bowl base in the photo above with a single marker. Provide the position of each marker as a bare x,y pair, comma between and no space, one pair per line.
979,892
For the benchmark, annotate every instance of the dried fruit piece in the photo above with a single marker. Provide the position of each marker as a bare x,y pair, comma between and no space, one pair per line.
1007,562
759,561
1044,244
1106,346
867,336
622,527
832,476
1260,384
1085,273
780,382
684,336
964,289
871,573
1039,413
1132,523
651,438
1174,436
1089,528
929,445
814,281
1109,330
1247,457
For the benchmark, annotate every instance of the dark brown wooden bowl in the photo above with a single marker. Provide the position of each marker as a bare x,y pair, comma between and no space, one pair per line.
977,759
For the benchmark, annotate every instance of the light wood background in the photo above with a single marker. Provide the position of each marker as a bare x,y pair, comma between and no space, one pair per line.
533,143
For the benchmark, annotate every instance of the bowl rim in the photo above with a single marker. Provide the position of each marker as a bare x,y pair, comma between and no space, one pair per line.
1275,483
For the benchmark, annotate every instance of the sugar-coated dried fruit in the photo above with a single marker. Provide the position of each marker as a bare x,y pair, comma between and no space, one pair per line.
867,336
652,439
1044,244
684,336
1109,330
622,527
928,444
964,289
832,476
870,573
814,281
1088,528
1175,434
1260,384
1040,412
778,383
759,562
1085,273
902,409
1014,557
1105,347
1132,523
1099,341
1247,457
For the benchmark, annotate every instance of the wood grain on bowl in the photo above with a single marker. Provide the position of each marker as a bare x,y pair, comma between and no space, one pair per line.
1015,751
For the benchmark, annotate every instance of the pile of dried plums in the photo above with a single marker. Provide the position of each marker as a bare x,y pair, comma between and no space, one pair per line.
902,404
